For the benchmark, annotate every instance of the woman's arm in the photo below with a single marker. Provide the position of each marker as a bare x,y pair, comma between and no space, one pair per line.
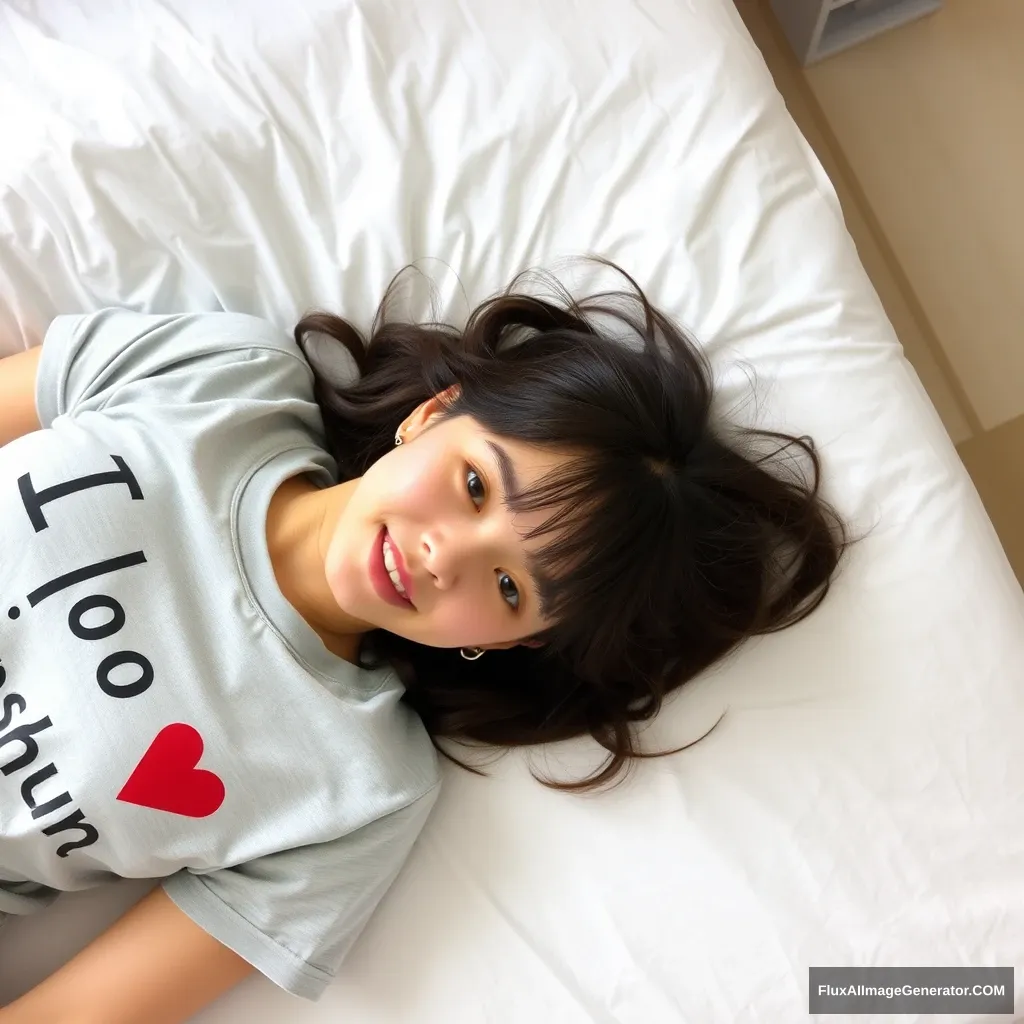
18,394
153,966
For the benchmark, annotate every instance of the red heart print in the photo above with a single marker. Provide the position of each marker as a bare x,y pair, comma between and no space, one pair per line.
167,779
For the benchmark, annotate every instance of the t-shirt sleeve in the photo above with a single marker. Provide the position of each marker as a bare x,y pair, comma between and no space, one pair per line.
295,915
116,357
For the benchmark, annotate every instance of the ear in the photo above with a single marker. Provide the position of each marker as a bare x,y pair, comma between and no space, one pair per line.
420,418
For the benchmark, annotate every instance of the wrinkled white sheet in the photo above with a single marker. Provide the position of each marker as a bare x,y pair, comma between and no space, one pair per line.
861,802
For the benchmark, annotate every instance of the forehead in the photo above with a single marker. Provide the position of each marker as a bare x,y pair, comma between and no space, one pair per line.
526,463
511,465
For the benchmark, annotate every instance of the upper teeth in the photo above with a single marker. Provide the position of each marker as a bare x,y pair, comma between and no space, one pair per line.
392,568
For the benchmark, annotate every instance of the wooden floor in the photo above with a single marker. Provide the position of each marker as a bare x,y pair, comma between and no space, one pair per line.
922,132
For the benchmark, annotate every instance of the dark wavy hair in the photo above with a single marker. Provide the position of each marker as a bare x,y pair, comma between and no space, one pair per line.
669,543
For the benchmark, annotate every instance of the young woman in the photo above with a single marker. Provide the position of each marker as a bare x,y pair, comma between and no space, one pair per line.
243,600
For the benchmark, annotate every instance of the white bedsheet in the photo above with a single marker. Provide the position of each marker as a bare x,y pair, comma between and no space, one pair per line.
861,803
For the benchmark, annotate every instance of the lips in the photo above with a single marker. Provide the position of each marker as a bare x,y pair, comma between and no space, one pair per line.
400,568
380,579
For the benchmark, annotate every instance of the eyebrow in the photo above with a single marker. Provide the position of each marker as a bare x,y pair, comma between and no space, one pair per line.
509,480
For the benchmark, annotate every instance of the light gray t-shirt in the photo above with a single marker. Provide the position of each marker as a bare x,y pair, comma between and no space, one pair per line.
164,711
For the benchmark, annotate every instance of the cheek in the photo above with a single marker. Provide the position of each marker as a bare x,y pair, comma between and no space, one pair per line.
465,620
473,616
407,482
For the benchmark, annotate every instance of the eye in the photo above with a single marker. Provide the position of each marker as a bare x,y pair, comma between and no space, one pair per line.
475,486
508,588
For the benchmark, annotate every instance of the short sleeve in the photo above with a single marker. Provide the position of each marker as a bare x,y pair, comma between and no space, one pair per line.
116,356
295,915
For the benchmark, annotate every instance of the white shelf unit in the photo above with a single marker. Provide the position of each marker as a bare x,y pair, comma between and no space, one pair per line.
819,28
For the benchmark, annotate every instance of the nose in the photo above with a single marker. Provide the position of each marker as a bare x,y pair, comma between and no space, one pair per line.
438,557
451,550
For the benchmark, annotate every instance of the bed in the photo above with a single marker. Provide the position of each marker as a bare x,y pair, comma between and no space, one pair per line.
860,803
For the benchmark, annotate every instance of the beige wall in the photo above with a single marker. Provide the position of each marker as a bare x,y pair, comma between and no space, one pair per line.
931,120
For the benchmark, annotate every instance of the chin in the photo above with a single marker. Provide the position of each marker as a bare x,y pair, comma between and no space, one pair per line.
341,578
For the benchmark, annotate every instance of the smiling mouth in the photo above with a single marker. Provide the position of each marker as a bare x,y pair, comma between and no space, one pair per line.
392,567
391,571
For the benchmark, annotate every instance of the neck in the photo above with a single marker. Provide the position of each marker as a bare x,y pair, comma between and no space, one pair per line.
301,521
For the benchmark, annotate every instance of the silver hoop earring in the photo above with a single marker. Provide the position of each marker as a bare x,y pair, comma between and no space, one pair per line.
472,653
398,438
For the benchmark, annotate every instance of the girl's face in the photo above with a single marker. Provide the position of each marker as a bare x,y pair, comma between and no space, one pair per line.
428,519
